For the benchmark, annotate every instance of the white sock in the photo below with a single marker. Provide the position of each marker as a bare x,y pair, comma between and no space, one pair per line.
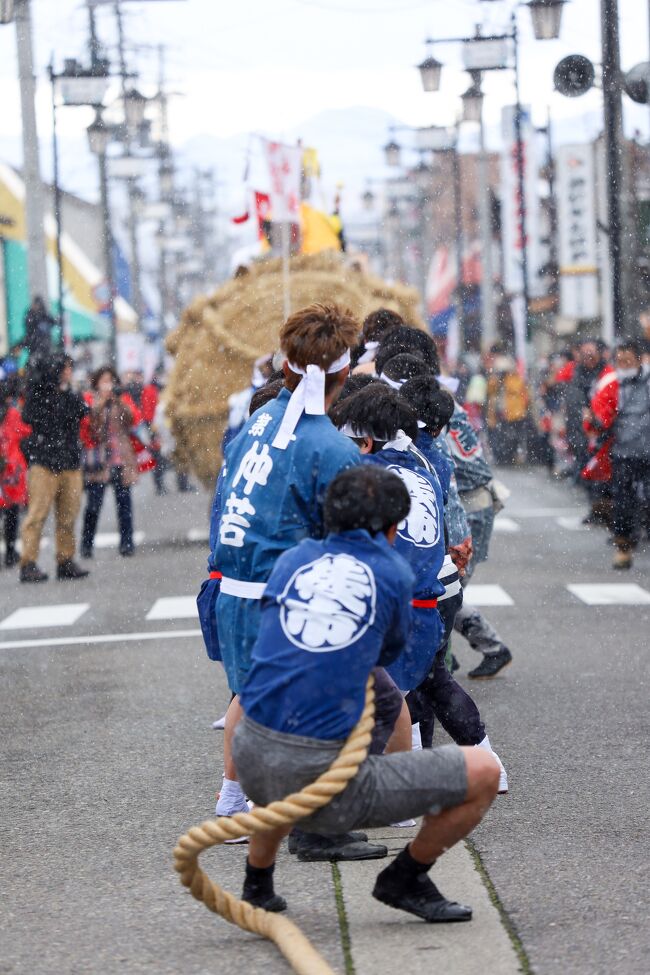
416,738
503,777
231,798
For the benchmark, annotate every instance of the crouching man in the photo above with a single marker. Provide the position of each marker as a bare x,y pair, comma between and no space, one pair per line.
332,610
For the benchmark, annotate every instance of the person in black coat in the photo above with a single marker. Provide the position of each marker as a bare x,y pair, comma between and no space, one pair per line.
54,412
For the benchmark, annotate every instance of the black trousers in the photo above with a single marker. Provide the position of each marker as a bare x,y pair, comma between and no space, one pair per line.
630,496
94,502
10,525
441,696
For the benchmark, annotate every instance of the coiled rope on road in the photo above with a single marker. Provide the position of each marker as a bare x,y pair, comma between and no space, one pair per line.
294,945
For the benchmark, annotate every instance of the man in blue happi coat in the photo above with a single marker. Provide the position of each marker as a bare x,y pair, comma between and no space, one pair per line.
384,427
332,610
277,470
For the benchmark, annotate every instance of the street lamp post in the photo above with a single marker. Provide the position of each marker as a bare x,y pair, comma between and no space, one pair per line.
98,140
34,194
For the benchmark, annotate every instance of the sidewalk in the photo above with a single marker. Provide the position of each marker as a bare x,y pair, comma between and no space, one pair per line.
360,936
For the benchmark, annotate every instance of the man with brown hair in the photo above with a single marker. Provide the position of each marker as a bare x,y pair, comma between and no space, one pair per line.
277,470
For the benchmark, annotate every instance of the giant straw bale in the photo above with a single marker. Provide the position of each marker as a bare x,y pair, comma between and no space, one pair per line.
221,335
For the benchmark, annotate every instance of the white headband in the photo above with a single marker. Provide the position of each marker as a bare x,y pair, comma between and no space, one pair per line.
393,383
369,352
401,442
307,397
356,433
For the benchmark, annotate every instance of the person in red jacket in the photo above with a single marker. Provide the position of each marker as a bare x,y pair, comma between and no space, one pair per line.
13,470
598,421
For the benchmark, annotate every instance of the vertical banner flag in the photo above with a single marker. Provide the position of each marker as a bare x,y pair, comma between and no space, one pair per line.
578,244
263,214
511,204
285,165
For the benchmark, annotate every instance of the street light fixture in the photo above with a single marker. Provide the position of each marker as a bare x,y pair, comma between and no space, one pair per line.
368,200
547,18
135,104
430,70
472,103
392,153
99,136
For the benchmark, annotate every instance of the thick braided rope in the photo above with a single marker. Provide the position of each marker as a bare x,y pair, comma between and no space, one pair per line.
290,940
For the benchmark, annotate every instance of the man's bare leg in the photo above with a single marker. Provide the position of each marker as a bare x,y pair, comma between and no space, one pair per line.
439,833
258,885
405,883
401,739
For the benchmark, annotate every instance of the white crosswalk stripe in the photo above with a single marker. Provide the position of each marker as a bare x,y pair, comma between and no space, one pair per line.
572,523
610,594
41,617
198,535
173,608
487,595
112,539
506,525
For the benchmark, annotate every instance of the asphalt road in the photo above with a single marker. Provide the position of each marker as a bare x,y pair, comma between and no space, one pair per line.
107,756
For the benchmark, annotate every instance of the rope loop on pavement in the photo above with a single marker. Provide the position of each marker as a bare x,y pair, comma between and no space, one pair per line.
296,948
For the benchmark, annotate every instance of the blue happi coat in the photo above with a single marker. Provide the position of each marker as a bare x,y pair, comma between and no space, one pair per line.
206,601
332,610
269,500
472,469
436,451
421,541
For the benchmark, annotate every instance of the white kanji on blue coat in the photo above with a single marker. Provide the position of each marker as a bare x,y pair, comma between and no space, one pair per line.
254,468
422,524
328,604
233,524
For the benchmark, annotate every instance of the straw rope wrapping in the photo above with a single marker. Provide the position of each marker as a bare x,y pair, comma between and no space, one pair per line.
290,940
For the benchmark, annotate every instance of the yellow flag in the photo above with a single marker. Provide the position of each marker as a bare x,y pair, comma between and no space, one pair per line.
318,231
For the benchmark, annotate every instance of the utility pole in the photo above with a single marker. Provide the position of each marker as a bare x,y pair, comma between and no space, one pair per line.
131,183
165,188
488,320
620,234
107,234
34,194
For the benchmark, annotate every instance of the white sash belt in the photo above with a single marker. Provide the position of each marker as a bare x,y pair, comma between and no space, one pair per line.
245,590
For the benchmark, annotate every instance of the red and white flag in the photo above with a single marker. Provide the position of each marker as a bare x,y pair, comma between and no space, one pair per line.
285,167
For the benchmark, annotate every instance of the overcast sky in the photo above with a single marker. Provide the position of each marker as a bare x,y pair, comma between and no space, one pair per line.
266,65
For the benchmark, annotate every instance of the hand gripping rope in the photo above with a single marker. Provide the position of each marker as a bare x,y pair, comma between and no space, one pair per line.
290,940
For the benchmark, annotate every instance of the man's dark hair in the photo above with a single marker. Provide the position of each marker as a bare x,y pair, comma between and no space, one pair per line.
379,323
405,366
265,394
379,412
366,497
630,345
354,384
432,404
407,339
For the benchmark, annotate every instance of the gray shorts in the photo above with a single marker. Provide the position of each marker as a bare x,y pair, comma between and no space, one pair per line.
387,788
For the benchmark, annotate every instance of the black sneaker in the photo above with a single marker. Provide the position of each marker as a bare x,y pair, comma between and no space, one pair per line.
315,848
491,664
30,572
268,902
70,570
425,901
297,837
86,551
